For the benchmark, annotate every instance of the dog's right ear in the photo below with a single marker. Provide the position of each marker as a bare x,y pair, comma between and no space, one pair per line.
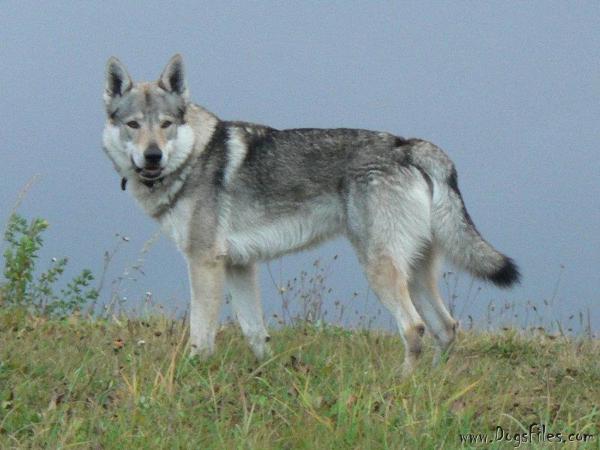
118,81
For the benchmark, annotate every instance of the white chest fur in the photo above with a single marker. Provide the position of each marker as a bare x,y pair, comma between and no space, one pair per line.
176,223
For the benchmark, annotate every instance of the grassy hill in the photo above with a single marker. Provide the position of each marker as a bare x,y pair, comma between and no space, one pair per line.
112,382
119,383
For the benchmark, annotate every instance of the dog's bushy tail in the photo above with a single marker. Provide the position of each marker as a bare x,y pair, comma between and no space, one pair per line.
453,228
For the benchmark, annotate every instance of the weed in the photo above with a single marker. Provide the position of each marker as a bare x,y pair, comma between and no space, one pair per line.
22,289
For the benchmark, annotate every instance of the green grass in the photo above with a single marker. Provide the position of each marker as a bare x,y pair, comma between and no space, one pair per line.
76,383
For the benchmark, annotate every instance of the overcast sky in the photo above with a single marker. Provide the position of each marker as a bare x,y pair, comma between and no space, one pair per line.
511,90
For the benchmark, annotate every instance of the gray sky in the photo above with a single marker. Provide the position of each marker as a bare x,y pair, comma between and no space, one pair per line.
511,90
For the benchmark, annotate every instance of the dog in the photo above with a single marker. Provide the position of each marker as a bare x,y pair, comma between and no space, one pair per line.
231,194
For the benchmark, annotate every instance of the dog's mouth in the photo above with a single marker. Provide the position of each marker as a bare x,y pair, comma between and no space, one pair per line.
149,174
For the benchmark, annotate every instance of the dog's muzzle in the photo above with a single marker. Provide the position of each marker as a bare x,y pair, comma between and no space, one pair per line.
152,169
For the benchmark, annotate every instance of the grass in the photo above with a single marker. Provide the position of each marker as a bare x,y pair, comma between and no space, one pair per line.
120,383
75,379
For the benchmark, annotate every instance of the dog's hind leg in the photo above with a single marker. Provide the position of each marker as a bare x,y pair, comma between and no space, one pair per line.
429,303
389,223
391,286
206,280
242,284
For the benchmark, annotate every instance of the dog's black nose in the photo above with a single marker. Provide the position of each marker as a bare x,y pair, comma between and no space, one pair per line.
153,155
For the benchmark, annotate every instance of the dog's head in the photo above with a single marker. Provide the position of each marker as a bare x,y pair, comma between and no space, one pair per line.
146,134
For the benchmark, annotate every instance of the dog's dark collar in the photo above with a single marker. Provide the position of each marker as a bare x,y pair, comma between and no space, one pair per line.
148,183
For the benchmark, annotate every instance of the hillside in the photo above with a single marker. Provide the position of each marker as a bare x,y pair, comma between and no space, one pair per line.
77,383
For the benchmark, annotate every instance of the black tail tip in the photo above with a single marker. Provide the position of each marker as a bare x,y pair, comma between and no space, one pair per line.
507,275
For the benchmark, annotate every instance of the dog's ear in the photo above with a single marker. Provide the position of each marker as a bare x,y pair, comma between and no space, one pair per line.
172,78
118,81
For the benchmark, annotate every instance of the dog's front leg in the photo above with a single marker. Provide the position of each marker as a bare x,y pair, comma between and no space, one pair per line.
245,301
207,276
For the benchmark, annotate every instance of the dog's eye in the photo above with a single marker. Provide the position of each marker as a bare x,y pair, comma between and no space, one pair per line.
166,124
133,124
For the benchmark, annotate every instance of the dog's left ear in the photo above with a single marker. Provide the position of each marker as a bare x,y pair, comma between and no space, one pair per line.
172,78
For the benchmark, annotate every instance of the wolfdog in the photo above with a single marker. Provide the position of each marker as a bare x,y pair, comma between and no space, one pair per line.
231,194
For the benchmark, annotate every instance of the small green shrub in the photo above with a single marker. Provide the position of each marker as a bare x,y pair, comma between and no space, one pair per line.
22,289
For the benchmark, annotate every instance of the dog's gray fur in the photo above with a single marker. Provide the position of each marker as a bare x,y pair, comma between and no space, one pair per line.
231,194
